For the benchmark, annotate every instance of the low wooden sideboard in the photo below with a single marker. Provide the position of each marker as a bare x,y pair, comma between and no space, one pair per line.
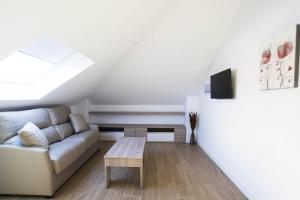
141,130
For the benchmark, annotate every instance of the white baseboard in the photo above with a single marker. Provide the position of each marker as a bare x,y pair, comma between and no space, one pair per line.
229,174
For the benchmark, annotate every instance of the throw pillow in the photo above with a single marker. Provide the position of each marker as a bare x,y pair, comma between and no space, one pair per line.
31,135
78,123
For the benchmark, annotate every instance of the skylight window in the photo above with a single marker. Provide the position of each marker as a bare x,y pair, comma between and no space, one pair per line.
39,68
22,68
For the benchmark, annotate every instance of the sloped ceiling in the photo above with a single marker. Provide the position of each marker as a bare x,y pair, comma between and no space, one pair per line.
146,51
174,57
103,30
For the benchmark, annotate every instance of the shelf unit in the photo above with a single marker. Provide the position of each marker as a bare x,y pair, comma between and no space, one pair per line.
135,113
138,122
141,130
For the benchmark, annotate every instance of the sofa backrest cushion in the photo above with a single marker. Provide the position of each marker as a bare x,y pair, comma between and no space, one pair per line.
51,134
65,130
12,122
59,115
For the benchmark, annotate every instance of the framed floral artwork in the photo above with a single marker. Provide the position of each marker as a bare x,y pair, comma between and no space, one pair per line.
279,61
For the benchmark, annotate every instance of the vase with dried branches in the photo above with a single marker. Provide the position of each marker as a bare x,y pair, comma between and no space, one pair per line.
193,122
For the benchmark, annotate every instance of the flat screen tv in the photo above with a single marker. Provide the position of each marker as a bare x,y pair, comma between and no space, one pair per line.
221,85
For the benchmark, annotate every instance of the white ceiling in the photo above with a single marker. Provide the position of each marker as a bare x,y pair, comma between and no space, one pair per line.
146,51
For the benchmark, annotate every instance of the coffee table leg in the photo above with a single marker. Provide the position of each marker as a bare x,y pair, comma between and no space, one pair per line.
107,175
141,177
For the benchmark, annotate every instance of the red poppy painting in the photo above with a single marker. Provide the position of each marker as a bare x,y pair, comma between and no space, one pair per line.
278,61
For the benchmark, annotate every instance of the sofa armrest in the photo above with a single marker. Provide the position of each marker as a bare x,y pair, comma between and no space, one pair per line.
25,170
94,127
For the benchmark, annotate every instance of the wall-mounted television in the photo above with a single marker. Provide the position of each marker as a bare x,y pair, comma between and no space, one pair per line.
221,85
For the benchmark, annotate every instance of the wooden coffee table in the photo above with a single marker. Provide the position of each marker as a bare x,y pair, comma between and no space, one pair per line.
126,152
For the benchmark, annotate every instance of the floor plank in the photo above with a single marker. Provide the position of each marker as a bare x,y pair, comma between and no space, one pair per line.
172,171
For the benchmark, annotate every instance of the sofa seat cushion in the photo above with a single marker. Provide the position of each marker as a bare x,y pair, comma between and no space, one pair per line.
64,153
87,137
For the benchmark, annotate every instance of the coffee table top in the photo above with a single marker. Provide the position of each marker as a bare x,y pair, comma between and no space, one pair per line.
127,147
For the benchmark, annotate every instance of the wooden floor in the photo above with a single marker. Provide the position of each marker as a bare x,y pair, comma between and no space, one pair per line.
172,171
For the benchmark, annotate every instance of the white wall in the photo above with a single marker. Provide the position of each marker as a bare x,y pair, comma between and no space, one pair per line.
138,114
255,137
137,118
137,108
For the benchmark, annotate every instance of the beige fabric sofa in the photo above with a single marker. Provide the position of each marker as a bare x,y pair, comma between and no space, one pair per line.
36,171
